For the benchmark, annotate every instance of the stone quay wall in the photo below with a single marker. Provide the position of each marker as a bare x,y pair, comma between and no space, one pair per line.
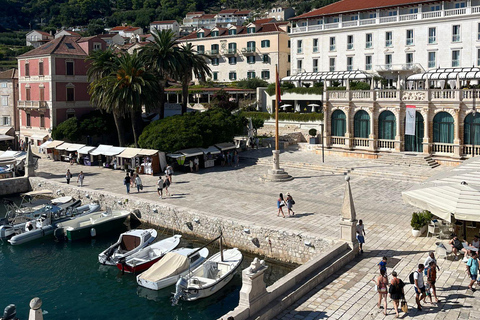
283,245
14,185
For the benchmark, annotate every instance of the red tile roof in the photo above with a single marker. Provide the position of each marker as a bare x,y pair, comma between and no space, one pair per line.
43,33
243,12
262,21
207,16
228,11
344,6
9,74
126,28
65,45
164,22
107,35
195,12
266,27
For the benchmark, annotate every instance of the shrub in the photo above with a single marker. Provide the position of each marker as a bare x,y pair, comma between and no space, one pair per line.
67,130
420,219
252,83
300,117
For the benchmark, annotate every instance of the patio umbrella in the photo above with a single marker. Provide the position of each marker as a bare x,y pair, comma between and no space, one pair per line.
460,199
313,105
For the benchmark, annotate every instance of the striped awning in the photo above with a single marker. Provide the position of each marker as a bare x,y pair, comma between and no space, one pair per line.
469,73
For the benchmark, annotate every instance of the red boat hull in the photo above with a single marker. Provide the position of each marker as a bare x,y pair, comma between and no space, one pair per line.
137,268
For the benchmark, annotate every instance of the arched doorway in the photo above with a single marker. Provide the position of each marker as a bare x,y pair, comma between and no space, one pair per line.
338,123
443,128
386,125
415,143
471,132
361,124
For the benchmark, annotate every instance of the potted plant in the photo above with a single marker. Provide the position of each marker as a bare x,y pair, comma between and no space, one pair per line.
313,136
420,221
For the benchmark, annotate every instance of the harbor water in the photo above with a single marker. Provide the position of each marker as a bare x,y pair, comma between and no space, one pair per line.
73,285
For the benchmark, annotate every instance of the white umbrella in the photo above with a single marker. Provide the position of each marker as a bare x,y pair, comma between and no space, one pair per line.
313,105
460,199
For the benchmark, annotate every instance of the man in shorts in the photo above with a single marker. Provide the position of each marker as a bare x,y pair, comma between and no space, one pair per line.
472,269
160,183
419,286
360,234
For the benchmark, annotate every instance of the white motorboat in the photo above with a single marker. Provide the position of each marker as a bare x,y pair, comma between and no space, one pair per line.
146,257
209,277
91,225
172,266
128,243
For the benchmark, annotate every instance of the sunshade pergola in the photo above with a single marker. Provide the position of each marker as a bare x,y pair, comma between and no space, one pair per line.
329,75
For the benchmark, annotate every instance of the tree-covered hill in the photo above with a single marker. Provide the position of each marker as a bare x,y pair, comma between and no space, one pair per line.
29,14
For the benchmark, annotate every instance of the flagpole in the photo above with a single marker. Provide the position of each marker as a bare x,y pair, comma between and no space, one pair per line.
276,107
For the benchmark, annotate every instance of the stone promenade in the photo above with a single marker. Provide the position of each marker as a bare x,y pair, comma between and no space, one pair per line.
318,192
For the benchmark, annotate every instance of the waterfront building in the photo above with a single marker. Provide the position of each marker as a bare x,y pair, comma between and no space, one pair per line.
199,19
240,52
165,25
280,13
9,123
412,53
36,38
53,84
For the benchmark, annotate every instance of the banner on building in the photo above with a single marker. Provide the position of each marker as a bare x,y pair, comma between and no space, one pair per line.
410,121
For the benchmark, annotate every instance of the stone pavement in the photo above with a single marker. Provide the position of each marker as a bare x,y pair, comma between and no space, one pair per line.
239,193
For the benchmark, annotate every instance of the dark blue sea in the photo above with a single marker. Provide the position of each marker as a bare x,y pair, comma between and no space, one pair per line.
73,285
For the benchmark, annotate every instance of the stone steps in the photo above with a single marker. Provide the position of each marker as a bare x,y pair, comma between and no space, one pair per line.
408,159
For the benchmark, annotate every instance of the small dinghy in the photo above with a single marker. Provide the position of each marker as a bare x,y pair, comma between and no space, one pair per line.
146,257
210,277
172,266
128,243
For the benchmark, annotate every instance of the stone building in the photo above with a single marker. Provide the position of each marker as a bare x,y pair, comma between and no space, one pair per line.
9,122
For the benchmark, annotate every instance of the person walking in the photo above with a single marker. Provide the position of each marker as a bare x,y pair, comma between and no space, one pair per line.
68,176
419,286
382,265
430,258
190,164
132,178
280,204
160,184
382,283
169,173
396,292
70,156
290,203
472,269
126,182
431,279
360,234
166,184
80,178
138,183
196,162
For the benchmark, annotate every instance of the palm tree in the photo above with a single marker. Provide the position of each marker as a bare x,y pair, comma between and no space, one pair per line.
102,64
191,63
128,88
163,57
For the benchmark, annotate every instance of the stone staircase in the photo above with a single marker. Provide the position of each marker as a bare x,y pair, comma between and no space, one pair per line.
408,159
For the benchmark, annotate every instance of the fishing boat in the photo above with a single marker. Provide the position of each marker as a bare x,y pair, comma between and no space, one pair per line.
146,257
92,225
210,277
172,266
128,243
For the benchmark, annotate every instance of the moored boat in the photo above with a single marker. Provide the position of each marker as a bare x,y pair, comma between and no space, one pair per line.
209,277
128,243
146,257
92,225
172,266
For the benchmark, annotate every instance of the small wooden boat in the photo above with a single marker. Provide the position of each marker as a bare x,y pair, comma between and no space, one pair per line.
210,277
146,257
172,266
128,243
91,225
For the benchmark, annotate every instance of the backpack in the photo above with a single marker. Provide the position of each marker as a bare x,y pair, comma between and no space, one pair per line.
412,277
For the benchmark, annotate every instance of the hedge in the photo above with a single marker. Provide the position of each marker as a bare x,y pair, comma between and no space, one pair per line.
300,117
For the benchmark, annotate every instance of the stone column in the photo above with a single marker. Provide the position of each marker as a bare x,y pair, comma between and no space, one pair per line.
427,138
398,130
456,137
348,129
372,136
254,289
327,125
35,309
348,221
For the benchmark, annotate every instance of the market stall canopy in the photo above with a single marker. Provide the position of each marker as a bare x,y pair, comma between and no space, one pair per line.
225,146
100,149
147,152
469,73
54,144
74,147
211,150
192,152
85,149
175,155
6,161
129,153
4,137
64,146
8,131
39,136
460,199
45,144
113,151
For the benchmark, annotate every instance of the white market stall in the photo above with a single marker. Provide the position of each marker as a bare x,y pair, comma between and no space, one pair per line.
52,152
210,154
97,156
84,156
110,157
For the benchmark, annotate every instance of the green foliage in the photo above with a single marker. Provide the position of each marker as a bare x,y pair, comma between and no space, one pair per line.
420,219
359,85
192,130
221,100
289,89
252,83
68,130
300,117
312,132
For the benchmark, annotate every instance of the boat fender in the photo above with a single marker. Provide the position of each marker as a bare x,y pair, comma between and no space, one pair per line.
93,232
59,234
10,312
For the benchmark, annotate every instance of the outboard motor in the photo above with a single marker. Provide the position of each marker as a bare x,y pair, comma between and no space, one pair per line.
10,312
180,288
59,234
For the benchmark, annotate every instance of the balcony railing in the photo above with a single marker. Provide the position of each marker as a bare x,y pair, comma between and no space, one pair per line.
315,49
385,144
349,46
368,44
332,47
442,147
30,104
432,39
249,50
361,142
388,43
467,150
390,19
230,52
300,50
338,140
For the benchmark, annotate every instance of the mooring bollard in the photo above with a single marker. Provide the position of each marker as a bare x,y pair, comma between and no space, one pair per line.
35,309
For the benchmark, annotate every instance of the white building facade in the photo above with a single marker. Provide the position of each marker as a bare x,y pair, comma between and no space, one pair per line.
399,43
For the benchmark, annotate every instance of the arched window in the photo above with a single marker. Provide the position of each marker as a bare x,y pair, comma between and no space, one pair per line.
443,128
338,123
361,124
386,125
471,131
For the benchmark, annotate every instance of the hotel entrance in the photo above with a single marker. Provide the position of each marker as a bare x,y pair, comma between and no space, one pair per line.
415,143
